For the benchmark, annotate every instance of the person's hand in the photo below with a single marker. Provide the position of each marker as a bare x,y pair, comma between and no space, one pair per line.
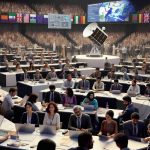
85,130
99,134
78,129
146,139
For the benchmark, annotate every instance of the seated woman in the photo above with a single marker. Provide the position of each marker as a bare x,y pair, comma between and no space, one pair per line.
33,99
52,117
18,68
109,127
98,85
69,99
29,116
31,66
90,100
52,74
37,76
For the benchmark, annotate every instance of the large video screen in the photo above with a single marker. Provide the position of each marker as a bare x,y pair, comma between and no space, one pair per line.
116,11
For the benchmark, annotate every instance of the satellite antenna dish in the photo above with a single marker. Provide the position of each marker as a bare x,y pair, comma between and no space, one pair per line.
97,35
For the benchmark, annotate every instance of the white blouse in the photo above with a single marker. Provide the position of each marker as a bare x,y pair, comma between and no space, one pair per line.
52,121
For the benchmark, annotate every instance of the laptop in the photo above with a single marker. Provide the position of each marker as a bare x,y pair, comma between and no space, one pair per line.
42,81
25,128
103,137
116,91
89,107
45,129
53,79
74,134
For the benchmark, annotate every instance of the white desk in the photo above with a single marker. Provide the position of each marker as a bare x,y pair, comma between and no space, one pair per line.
64,142
9,78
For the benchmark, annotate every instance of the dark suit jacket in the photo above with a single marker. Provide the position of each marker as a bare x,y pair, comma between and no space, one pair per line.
116,87
57,97
127,112
76,75
128,130
86,85
85,122
34,118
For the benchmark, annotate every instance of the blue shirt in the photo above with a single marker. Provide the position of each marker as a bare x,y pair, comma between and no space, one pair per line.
88,102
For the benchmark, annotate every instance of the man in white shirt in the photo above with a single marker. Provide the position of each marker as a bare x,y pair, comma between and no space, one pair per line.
68,83
8,103
134,89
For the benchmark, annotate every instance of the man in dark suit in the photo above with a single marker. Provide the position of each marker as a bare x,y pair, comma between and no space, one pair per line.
116,86
79,121
84,84
126,114
52,95
85,141
135,129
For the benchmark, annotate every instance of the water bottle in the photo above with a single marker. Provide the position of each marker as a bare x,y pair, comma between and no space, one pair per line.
107,105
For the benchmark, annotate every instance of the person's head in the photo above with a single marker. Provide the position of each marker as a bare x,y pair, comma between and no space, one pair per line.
28,107
46,144
90,95
148,85
52,69
98,79
116,81
126,100
52,108
52,88
12,91
83,77
85,140
18,65
75,70
109,115
69,77
97,70
105,58
135,117
121,140
69,92
77,110
37,71
134,82
32,98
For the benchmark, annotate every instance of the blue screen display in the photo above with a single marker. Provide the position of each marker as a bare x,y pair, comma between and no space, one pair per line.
116,11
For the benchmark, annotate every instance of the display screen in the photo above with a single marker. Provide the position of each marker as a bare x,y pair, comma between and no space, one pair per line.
116,11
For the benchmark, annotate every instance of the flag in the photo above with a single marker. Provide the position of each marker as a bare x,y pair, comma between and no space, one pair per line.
19,18
134,18
12,17
45,20
32,18
39,19
76,19
26,18
4,17
140,18
146,18
82,19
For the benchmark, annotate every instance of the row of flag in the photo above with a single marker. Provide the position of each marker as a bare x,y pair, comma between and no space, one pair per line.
34,18
140,18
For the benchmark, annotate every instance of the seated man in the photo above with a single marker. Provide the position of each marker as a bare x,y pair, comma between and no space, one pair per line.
52,74
116,86
8,104
84,84
74,59
79,121
107,65
37,76
134,89
68,83
96,74
134,128
75,73
98,85
129,109
137,77
111,75
52,95
121,141
85,142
